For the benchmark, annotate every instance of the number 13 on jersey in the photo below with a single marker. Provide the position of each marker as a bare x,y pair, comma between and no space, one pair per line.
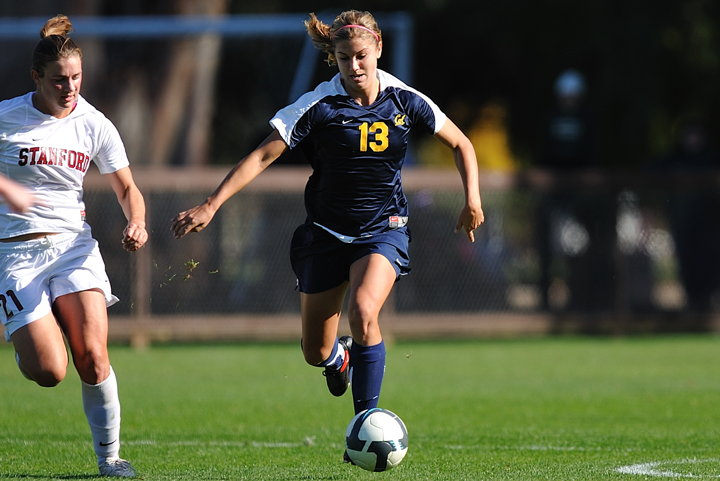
374,136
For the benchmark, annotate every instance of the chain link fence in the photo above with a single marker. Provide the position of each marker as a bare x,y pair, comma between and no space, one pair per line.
596,249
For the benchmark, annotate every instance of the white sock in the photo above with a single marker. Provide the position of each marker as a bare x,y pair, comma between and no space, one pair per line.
102,409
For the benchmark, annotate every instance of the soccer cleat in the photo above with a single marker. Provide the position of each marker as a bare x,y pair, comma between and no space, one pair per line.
339,380
117,468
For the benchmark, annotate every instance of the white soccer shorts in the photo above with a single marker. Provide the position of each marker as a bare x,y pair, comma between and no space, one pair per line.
34,273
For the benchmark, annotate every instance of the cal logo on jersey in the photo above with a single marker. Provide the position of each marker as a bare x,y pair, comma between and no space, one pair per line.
400,119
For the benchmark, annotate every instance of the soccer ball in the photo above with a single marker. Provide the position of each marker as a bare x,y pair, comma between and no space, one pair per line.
376,439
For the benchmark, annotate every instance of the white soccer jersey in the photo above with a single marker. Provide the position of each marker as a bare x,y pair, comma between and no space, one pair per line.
50,156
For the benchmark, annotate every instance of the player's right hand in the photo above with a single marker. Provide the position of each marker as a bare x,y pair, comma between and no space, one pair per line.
18,197
192,220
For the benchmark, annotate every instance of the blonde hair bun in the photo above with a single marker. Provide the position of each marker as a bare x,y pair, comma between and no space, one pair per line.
58,25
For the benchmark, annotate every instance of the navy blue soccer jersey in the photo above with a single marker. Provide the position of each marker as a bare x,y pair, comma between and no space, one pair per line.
356,152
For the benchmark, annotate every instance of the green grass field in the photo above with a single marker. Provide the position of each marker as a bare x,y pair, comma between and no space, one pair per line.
568,409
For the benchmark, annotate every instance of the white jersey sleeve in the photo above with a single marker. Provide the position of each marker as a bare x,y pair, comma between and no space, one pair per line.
388,81
286,118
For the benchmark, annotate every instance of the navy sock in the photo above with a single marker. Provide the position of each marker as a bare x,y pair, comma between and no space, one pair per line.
368,367
335,359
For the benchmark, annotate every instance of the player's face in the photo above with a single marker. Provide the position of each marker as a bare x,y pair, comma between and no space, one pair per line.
56,92
357,61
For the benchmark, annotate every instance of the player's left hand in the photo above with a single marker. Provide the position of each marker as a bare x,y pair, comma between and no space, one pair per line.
134,237
470,219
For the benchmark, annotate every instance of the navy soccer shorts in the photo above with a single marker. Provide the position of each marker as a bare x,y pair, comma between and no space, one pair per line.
321,261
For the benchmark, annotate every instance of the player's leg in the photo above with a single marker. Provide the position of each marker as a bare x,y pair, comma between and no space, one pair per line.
25,296
83,318
320,264
40,351
321,347
371,280
320,318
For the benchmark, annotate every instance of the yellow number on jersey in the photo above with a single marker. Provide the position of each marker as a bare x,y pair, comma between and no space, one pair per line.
379,131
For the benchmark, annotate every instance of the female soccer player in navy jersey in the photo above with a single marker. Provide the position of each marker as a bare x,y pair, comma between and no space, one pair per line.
354,130
53,284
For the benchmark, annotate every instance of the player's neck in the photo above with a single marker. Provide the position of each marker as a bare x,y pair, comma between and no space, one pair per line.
365,96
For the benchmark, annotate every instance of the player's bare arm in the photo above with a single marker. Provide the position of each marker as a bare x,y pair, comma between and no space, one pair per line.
471,216
18,197
249,167
133,205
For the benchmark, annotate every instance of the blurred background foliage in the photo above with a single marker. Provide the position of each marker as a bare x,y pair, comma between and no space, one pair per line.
558,237
649,65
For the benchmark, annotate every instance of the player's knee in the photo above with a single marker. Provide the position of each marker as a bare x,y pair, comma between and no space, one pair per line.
315,355
313,358
48,377
363,313
46,371
93,366
363,326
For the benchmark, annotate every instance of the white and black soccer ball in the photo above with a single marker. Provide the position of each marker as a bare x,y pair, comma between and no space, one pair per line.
376,439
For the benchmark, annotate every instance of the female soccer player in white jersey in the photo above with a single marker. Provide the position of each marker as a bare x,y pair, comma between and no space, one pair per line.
354,130
53,284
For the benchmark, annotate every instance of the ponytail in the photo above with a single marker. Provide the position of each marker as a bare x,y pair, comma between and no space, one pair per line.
54,43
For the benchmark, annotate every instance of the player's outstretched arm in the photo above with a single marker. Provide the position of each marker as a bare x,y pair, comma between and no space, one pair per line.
471,216
18,197
133,205
249,167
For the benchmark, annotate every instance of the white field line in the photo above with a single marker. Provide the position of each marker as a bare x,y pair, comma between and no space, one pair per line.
655,469
532,447
189,443
309,441
641,469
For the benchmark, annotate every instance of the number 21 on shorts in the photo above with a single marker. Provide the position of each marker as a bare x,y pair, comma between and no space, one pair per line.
4,300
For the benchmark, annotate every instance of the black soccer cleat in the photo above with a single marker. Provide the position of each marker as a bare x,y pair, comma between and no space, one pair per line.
339,380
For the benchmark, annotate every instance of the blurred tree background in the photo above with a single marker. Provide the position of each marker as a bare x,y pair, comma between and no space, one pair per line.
648,65
650,71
